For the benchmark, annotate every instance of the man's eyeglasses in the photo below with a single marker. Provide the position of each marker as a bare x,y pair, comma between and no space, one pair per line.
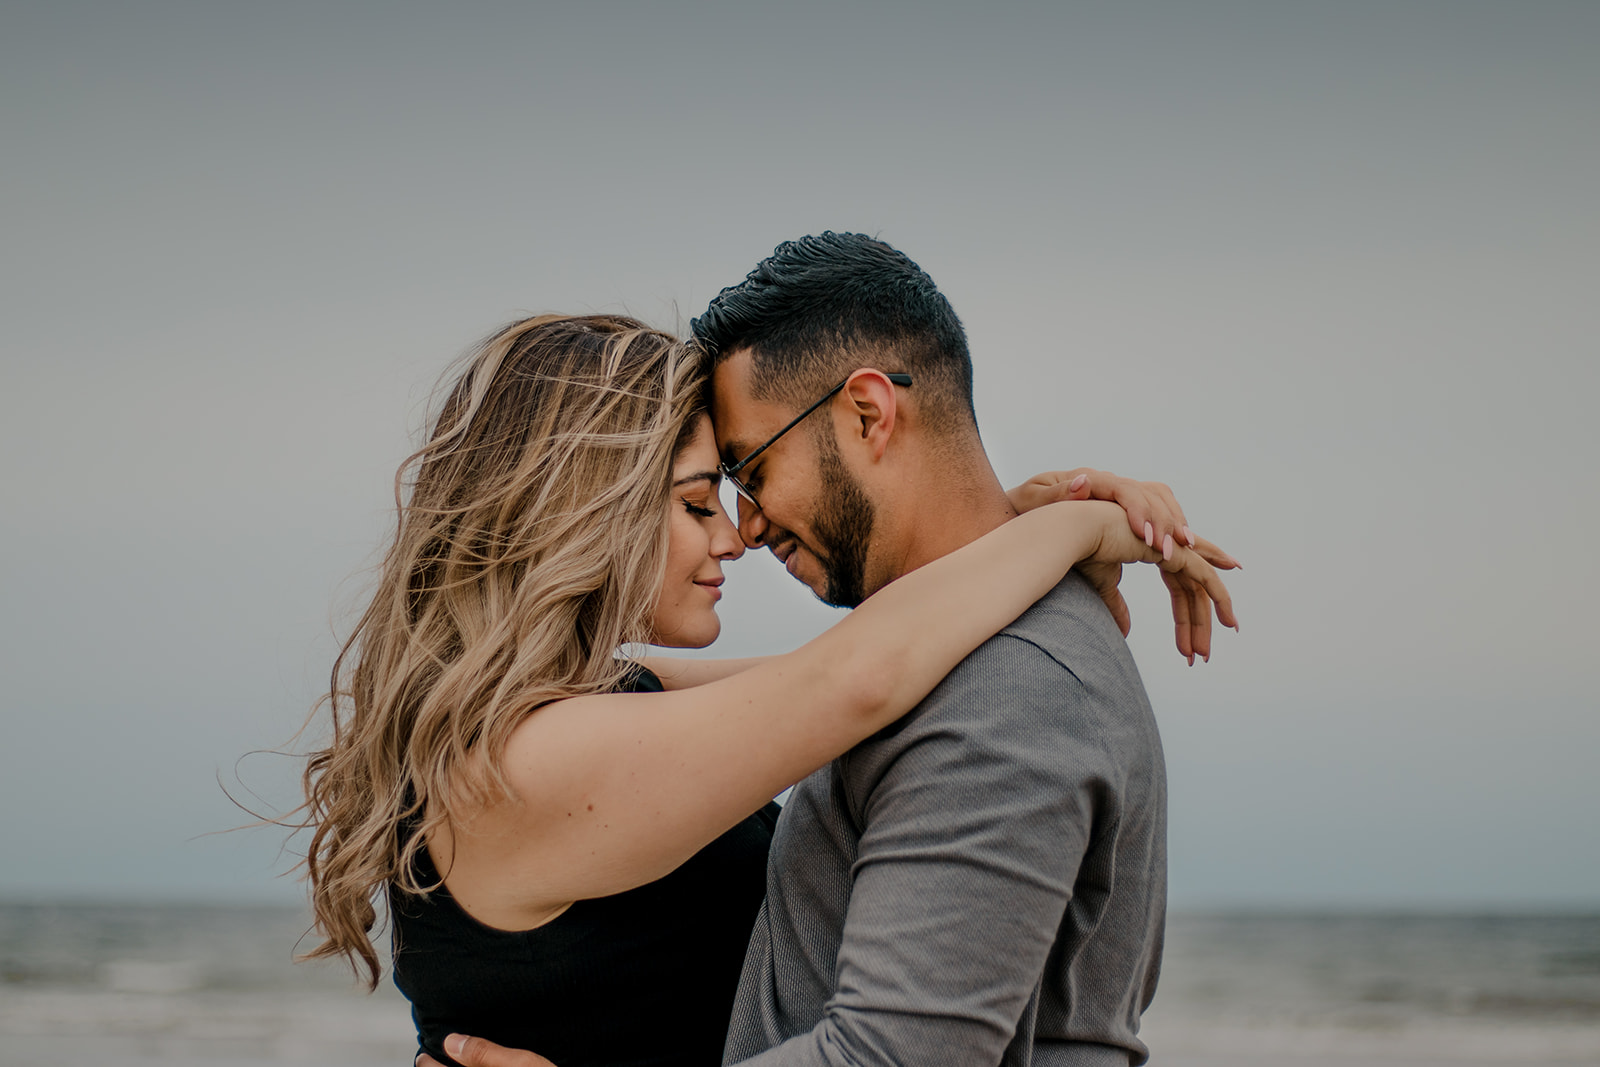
731,471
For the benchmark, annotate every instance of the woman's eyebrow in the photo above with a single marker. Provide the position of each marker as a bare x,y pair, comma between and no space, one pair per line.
714,477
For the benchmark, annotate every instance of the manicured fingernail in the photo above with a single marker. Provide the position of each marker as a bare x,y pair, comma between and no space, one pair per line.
1166,547
1149,535
1188,535
455,1044
1191,659
1208,657
1236,564
1235,627
1077,483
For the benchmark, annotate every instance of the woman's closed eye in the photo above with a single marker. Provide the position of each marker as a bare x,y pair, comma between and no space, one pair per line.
697,510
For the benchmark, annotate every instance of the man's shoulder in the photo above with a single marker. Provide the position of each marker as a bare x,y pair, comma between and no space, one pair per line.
1070,624
1066,638
1056,673
1047,706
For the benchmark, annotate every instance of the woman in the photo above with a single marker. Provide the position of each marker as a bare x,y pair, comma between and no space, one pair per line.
573,849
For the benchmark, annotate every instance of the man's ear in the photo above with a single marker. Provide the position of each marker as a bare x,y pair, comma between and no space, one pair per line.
873,409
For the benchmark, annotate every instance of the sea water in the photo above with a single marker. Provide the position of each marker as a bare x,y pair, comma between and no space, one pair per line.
1378,989
206,986
186,985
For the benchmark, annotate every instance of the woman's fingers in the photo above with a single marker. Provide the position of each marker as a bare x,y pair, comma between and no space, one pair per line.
1211,581
1192,581
1119,611
1085,483
1154,514
1180,523
1196,583
1181,623
1104,578
1199,620
1215,556
1130,495
1151,511
1050,487
1165,516
1143,519
1121,615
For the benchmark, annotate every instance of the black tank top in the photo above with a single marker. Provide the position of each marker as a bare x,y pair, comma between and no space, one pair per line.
645,977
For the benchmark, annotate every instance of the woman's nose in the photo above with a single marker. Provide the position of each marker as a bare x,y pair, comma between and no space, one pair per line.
726,542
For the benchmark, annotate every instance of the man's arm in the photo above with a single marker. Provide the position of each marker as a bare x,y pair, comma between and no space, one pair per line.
479,1052
973,835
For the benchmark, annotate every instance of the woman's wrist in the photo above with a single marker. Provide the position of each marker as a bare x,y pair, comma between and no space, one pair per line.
1083,526
1052,537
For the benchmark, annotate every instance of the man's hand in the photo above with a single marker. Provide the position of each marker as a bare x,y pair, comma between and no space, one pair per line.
1156,518
476,1052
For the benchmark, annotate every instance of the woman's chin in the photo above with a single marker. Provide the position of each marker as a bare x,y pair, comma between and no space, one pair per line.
700,635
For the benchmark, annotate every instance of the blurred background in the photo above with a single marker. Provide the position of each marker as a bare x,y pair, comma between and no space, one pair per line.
1330,271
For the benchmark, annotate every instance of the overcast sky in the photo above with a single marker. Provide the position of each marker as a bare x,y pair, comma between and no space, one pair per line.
1329,270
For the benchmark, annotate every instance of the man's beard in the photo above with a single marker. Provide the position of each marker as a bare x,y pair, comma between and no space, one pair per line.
842,527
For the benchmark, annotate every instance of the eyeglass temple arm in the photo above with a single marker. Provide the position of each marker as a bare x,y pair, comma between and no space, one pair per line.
896,378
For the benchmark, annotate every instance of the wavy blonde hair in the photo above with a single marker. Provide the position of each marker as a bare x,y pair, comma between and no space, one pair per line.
530,547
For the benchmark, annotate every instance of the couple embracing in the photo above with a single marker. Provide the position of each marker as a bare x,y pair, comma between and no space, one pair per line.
578,851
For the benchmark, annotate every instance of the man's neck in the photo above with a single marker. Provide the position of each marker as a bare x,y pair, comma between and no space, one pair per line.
937,514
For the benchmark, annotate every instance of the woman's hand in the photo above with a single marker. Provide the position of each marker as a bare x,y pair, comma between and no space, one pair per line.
1191,579
1153,516
1153,512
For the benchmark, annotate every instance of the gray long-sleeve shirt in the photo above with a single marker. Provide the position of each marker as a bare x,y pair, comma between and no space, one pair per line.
982,883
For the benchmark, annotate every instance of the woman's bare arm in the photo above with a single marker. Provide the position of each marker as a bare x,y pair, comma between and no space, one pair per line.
678,672
1153,513
616,790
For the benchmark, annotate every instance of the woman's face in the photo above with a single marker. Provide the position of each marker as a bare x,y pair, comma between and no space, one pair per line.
700,537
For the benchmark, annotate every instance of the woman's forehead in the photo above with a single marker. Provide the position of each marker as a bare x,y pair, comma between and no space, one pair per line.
698,455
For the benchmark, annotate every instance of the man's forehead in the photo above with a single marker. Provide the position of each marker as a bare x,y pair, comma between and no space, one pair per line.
733,410
730,378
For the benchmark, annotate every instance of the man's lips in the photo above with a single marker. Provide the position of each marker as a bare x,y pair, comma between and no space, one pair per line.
788,554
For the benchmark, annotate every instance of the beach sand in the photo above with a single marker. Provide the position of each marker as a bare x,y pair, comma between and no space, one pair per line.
187,986
1457,1043
195,1027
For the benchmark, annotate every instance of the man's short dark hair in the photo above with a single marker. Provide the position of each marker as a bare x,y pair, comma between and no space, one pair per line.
823,306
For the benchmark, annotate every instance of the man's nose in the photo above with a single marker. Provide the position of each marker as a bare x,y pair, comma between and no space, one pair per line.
752,523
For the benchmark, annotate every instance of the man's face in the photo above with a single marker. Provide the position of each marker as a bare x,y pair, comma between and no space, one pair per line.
814,515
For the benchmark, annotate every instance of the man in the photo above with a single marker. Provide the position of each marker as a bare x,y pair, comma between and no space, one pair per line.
985,881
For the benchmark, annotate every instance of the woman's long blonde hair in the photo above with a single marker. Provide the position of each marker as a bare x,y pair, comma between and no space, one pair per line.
529,548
